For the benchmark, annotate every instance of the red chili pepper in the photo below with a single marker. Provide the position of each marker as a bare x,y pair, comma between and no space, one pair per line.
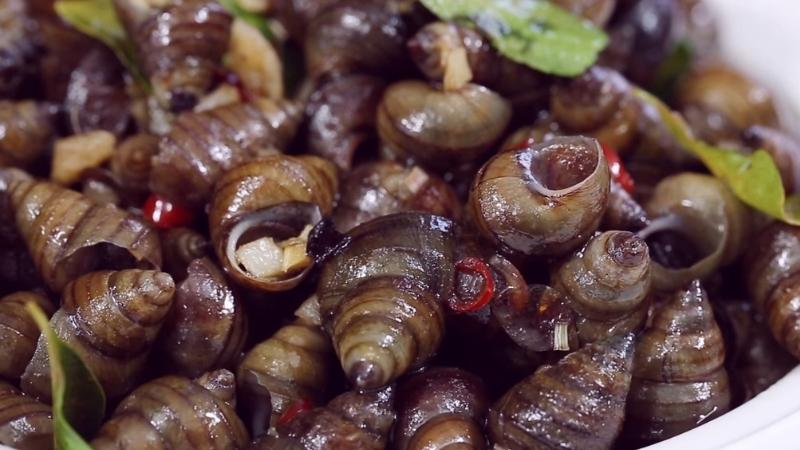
165,214
616,168
293,410
477,266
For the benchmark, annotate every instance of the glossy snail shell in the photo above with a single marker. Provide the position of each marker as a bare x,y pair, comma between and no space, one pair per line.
179,247
18,332
67,235
544,199
679,380
27,132
275,196
111,319
577,403
176,412
25,423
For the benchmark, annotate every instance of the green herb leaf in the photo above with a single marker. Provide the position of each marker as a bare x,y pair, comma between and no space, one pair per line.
79,403
672,69
532,32
753,178
256,20
98,19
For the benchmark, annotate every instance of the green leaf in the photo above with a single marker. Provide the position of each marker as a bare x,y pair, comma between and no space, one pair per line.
532,32
256,20
79,403
753,178
98,19
672,69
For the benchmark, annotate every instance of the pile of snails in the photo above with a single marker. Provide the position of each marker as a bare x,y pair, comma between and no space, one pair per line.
415,243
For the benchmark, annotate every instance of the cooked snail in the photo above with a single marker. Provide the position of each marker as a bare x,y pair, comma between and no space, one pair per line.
439,409
131,164
341,116
607,282
25,423
439,128
679,381
179,247
28,129
67,235
381,296
111,319
577,403
18,332
784,149
202,146
206,315
385,187
543,199
260,216
176,412
293,365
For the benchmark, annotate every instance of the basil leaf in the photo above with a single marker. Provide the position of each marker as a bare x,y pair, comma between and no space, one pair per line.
79,403
753,178
98,19
256,20
532,32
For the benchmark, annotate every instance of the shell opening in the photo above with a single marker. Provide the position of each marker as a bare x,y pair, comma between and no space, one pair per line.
562,164
672,243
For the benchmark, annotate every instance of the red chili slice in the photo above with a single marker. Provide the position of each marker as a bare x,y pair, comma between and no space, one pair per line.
476,266
293,410
617,169
165,214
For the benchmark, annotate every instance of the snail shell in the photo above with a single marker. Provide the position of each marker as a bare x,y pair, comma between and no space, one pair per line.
354,419
607,283
67,235
385,187
292,365
28,130
439,128
439,409
25,423
773,268
275,196
18,331
176,412
179,247
206,315
110,319
544,199
705,213
180,48
381,296
784,149
131,163
577,403
679,380
18,46
202,146
341,116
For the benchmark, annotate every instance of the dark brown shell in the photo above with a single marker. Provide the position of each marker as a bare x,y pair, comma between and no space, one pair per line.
381,296
357,420
543,199
439,128
341,116
296,15
274,196
18,331
17,46
579,403
356,36
623,212
181,47
439,409
202,146
111,319
679,381
293,365
179,247
385,187
176,412
28,130
607,282
25,424
207,327
131,163
68,235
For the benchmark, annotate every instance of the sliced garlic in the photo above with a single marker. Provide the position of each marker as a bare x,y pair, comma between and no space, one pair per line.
223,95
255,61
261,258
74,154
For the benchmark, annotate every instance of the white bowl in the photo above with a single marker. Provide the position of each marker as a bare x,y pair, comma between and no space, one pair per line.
762,39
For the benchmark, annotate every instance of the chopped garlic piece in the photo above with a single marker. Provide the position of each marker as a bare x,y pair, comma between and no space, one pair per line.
295,257
262,258
306,232
561,337
255,61
416,179
225,94
457,72
254,6
73,155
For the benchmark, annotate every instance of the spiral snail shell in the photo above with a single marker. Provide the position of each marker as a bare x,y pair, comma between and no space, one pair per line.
28,129
18,332
111,319
542,199
25,423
